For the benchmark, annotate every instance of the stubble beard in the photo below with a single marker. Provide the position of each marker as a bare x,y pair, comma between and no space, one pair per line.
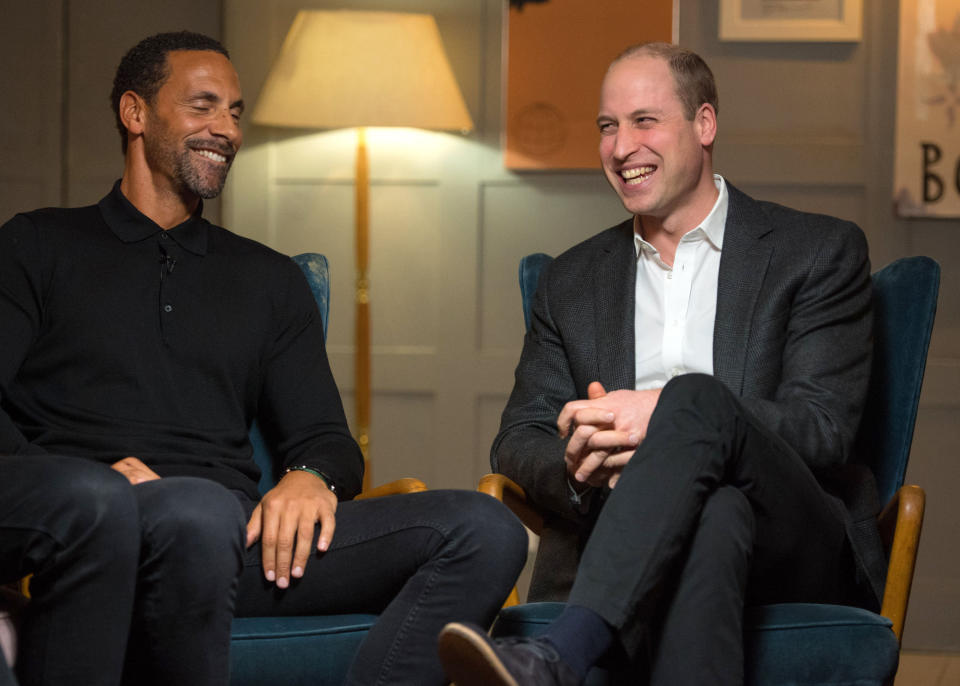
190,175
205,183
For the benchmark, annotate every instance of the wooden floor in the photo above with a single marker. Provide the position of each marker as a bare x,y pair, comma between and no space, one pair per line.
928,669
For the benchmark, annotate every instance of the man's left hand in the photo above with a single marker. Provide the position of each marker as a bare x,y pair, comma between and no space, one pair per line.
284,521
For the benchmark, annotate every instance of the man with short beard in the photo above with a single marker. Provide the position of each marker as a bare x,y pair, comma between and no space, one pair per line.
137,344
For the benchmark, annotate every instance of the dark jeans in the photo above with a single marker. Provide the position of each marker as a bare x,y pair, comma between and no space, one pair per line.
121,573
419,560
712,512
142,581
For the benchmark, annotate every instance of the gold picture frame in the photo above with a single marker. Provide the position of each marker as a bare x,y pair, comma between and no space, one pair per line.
791,20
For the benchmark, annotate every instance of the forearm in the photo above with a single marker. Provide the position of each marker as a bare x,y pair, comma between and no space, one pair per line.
533,458
300,403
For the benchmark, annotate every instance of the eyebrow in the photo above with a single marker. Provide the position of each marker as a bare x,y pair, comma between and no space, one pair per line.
642,111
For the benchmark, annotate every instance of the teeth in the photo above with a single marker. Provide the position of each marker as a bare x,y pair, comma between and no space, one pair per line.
638,173
209,154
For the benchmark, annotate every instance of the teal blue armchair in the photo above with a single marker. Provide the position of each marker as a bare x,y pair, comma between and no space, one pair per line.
802,643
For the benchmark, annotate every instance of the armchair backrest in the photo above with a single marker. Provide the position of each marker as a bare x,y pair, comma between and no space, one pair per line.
316,269
530,268
904,305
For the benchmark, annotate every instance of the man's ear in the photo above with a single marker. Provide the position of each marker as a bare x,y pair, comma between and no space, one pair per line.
706,121
133,112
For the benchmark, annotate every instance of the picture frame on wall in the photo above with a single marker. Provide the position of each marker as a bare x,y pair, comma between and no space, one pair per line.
791,20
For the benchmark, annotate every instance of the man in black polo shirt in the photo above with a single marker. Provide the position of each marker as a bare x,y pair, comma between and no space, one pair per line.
137,343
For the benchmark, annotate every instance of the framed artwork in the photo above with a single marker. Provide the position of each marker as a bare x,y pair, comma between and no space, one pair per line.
791,20
926,176
557,54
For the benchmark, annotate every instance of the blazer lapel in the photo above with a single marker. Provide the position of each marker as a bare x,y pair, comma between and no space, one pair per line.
614,291
743,266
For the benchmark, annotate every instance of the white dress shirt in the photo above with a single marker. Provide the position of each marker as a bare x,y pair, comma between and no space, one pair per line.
676,306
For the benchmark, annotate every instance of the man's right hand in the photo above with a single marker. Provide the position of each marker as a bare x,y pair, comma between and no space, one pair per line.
135,470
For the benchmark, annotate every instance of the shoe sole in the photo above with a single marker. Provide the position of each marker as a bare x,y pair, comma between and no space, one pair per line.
469,660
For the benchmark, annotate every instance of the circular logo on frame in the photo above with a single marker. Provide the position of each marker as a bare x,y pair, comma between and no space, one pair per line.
540,129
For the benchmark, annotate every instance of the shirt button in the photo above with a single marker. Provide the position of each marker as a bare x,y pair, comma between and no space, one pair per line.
164,236
674,372
669,275
168,308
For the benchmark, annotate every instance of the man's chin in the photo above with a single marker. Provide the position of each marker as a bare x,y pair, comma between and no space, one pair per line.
208,193
206,188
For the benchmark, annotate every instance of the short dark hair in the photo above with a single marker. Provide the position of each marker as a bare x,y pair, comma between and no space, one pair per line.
144,68
694,81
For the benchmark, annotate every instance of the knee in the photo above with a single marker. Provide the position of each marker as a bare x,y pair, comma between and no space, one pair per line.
699,396
92,503
199,518
488,530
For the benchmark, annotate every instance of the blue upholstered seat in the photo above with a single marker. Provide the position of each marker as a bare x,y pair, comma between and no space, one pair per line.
829,644
314,650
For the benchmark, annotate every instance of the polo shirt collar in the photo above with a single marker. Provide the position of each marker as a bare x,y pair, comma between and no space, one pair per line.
131,225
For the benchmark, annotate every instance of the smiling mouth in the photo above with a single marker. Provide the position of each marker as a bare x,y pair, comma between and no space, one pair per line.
636,175
211,155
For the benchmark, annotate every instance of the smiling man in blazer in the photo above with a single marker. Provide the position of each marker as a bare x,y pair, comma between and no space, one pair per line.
685,408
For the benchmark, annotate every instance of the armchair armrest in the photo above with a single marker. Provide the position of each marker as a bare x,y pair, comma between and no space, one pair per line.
512,495
407,485
900,524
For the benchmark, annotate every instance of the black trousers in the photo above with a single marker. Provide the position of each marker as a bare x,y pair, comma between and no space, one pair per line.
713,512
138,584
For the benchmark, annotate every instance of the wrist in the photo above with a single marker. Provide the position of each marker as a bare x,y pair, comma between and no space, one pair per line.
327,481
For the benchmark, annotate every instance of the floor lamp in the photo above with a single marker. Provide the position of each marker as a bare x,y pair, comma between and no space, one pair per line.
349,69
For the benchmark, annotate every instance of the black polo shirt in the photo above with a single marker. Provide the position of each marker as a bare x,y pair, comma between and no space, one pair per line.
118,338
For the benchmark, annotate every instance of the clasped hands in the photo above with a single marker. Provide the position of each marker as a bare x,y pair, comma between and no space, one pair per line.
283,520
604,431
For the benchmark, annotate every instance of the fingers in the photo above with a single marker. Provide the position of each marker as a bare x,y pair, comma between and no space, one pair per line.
584,415
268,542
301,554
254,525
590,448
135,470
595,390
286,535
328,523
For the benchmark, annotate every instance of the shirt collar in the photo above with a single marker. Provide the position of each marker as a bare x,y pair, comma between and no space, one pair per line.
712,226
131,225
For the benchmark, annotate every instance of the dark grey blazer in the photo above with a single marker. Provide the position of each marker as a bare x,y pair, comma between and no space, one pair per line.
792,338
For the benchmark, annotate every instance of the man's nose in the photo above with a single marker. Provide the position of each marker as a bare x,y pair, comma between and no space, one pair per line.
224,124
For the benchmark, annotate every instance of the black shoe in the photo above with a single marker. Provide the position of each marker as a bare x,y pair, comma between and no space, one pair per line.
471,658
